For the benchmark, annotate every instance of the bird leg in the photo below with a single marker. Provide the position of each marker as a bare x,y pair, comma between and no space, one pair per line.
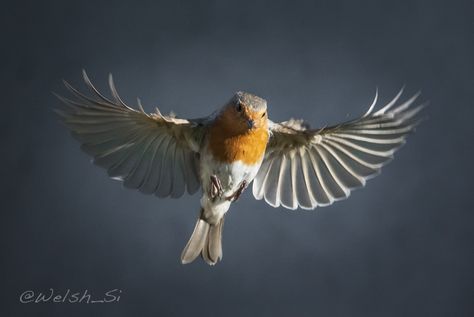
238,192
216,187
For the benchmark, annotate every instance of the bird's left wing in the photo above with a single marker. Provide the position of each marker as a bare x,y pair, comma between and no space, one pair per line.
149,152
307,168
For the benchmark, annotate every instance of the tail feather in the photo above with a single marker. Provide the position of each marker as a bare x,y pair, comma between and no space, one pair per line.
196,242
206,240
214,244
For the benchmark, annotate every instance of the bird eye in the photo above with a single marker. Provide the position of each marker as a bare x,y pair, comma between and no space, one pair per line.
264,114
239,107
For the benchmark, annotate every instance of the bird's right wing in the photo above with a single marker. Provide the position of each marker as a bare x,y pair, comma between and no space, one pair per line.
307,168
149,152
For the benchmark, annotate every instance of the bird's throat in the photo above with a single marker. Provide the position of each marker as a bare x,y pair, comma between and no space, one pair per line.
228,146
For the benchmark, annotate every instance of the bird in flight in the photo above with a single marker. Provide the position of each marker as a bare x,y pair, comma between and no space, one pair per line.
291,165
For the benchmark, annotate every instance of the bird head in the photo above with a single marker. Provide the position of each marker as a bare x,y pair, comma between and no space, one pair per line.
246,112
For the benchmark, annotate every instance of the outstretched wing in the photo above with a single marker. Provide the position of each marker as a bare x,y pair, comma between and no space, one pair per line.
149,152
307,168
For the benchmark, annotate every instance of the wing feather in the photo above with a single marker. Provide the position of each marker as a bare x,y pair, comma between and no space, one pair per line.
261,178
178,176
285,182
271,190
137,175
192,176
166,179
327,197
149,152
152,178
307,168
306,185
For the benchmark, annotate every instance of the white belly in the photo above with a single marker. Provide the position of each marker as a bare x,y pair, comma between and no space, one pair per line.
231,176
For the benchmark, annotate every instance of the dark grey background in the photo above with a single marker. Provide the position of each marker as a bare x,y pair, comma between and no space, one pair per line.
402,246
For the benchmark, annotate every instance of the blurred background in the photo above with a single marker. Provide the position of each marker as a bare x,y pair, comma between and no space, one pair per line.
402,246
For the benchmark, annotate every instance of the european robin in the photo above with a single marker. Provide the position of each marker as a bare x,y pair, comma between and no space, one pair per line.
290,164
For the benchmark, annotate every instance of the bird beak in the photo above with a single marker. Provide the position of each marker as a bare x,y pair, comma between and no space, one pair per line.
250,123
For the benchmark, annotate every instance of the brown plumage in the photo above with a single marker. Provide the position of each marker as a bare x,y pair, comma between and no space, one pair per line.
231,140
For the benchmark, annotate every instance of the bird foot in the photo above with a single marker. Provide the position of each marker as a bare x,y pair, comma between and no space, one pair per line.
216,187
238,192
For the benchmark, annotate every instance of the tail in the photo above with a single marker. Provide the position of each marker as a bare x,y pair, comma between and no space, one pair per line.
205,240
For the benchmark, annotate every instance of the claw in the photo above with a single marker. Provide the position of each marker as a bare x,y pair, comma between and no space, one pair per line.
216,187
238,192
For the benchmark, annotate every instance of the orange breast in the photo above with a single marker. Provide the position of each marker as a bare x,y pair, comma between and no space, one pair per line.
228,146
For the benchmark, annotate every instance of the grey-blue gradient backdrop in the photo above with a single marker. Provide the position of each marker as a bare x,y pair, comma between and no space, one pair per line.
402,246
